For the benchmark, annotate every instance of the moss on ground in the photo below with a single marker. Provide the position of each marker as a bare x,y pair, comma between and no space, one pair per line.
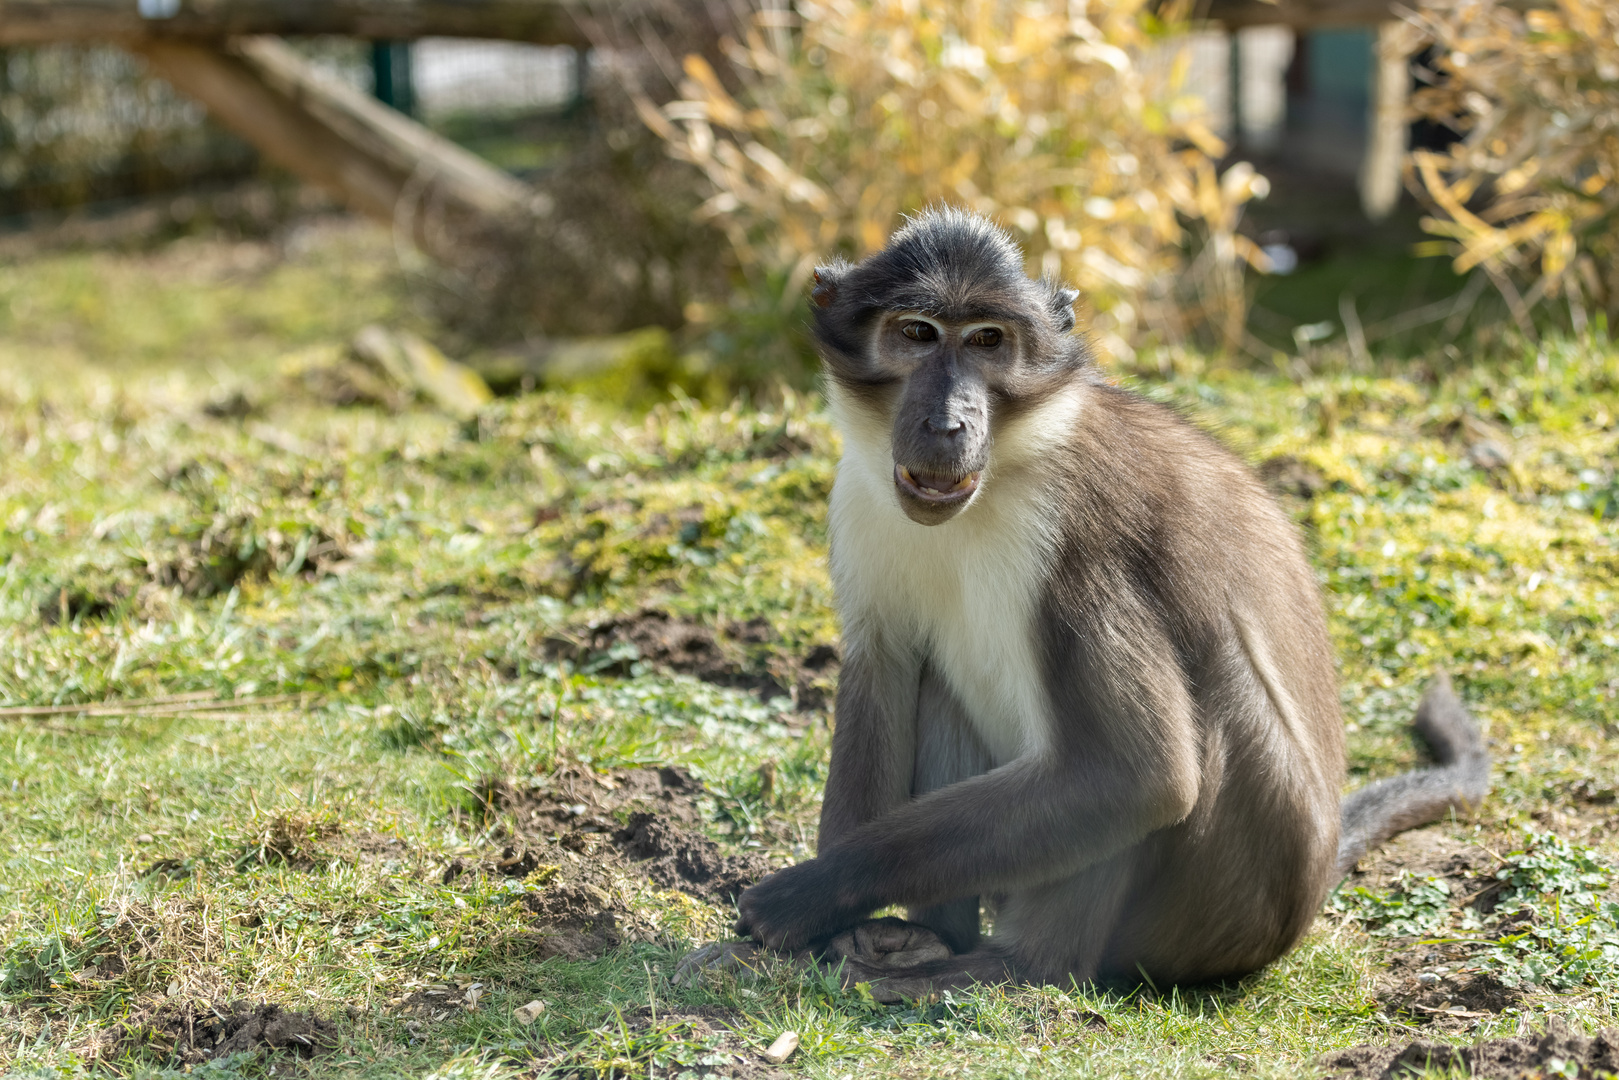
352,648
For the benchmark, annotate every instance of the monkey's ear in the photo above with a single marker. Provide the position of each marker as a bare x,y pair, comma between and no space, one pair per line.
1062,305
826,284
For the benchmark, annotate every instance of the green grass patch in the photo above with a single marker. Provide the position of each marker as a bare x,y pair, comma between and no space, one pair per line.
362,655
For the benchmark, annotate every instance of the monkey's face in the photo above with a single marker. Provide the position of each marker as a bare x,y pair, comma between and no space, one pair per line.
941,372
936,341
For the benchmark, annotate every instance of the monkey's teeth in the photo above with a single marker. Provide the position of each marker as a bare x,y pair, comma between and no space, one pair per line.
934,489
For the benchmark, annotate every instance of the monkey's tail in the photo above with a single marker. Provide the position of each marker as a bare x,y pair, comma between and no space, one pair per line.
1458,780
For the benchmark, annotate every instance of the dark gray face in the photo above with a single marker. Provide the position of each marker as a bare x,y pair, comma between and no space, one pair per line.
944,370
942,335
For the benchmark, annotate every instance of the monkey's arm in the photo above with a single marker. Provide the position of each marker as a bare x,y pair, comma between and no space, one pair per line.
1103,787
874,742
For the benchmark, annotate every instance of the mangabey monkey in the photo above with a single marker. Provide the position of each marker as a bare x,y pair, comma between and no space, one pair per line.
1086,672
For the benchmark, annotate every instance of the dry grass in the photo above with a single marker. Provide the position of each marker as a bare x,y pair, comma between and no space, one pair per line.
1531,194
1071,125
300,855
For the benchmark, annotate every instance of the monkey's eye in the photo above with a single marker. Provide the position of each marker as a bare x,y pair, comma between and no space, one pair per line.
920,331
987,338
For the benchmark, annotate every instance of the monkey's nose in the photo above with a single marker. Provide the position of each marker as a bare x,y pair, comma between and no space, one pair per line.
948,426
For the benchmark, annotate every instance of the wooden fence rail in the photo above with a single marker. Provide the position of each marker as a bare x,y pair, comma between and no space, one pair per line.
33,22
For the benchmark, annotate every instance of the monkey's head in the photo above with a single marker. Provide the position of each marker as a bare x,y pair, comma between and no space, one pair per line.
942,337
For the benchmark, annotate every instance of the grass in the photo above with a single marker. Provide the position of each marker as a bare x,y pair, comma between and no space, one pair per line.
365,608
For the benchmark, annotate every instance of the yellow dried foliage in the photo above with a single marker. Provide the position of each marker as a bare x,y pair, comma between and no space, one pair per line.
1536,94
1072,125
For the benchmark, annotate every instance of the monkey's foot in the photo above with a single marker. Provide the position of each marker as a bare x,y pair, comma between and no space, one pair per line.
897,960
887,944
903,961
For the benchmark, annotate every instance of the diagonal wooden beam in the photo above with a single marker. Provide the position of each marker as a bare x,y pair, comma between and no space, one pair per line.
377,161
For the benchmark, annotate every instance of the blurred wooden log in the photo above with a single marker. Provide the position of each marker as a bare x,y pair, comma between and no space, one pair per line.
377,161
1388,125
542,22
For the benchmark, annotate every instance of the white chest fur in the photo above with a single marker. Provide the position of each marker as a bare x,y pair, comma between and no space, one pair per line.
964,593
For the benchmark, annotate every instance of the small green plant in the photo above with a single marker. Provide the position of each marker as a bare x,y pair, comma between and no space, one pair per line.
1551,925
34,963
1416,905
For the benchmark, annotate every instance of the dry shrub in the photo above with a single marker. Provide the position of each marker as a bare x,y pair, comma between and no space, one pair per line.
612,245
1069,124
612,248
1536,94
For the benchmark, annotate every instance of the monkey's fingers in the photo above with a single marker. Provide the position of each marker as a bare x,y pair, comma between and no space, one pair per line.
789,909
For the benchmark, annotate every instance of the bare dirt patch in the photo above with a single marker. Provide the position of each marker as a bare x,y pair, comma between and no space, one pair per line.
1446,999
440,1000
679,858
192,1034
743,656
588,839
1508,1058
1432,851
1435,985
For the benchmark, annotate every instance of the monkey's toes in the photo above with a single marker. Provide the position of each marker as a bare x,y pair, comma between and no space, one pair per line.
888,944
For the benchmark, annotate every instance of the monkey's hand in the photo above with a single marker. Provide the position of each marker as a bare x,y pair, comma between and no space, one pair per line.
799,905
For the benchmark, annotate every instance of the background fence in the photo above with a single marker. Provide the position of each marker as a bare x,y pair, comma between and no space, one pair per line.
82,125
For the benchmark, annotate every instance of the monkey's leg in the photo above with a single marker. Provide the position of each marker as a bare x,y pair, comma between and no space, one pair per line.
1056,932
1037,820
874,741
1121,761
947,750
1052,933
1063,929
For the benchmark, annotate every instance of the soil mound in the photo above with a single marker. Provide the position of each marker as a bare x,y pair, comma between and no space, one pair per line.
194,1034
677,858
576,799
1556,1048
742,657
564,834
1439,997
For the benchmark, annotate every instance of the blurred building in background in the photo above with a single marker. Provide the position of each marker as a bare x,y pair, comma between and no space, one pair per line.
1306,94
453,75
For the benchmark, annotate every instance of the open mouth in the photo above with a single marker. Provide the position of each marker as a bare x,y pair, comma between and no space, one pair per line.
935,487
